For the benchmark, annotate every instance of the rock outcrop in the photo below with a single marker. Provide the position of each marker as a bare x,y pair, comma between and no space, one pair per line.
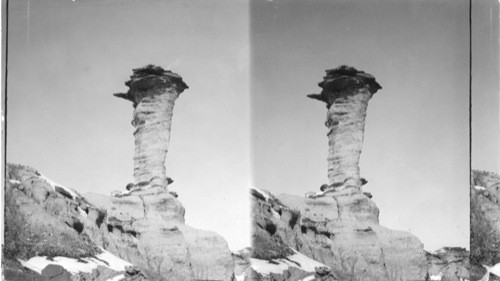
149,231
340,230
346,91
145,228
153,92
40,220
485,222
452,263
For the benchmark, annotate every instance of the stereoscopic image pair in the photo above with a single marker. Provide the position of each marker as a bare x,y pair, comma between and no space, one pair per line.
232,184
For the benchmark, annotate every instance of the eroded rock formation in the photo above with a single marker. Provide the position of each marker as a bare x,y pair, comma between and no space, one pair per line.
340,231
338,226
141,230
346,92
153,92
145,228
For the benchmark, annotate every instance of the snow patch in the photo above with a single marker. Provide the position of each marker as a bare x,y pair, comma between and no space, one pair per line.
297,260
305,262
436,277
308,278
121,193
265,267
275,214
82,212
477,187
74,266
53,184
14,181
240,277
261,192
314,195
495,270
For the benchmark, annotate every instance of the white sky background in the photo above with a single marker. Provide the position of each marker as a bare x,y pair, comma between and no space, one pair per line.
416,147
485,87
67,58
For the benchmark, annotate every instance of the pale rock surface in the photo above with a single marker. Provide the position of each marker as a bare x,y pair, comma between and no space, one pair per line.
153,92
340,230
149,231
346,91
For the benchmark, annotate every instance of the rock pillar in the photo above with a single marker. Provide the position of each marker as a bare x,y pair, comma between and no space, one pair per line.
153,92
346,91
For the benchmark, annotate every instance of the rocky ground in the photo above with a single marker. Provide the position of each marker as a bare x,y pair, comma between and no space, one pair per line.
140,235
485,222
452,262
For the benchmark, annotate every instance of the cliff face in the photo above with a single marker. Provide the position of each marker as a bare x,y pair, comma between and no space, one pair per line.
484,222
46,222
341,231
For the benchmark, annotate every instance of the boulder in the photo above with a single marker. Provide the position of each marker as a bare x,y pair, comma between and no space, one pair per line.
56,273
101,273
12,270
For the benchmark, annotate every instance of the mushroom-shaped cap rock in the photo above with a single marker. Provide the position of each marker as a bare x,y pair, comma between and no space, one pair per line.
149,76
342,78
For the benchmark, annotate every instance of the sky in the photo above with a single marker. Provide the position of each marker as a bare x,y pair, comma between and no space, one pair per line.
67,58
485,87
416,147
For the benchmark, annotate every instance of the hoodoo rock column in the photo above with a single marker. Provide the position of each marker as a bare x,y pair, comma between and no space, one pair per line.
346,91
153,92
